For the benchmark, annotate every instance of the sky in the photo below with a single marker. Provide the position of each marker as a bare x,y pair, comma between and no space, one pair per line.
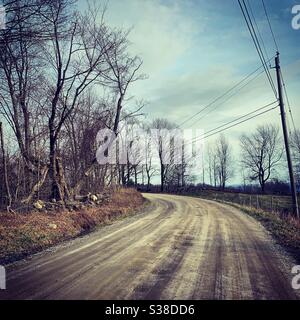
195,50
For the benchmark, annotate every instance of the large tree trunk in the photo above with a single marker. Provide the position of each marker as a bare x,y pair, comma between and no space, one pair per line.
55,190
123,176
148,183
263,187
135,176
59,190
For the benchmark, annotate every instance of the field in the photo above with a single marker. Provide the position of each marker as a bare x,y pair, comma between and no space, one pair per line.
270,203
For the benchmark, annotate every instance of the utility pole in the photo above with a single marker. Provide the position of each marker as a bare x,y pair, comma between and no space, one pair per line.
286,137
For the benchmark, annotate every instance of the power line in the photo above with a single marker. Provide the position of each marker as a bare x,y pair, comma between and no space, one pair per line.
244,116
221,96
288,101
256,42
270,26
227,99
232,123
236,124
259,33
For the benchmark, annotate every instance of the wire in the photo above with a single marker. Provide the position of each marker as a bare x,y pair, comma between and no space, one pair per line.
244,116
204,137
270,26
221,96
256,42
288,101
259,33
234,125
218,105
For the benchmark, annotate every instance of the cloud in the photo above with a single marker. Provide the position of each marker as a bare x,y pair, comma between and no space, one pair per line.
161,32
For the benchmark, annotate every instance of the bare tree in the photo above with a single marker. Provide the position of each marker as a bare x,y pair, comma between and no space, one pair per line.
261,153
224,160
21,78
132,152
183,170
75,56
212,161
25,13
78,140
209,159
163,148
149,166
122,71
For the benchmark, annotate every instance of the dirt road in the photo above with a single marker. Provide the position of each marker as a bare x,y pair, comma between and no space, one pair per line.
181,248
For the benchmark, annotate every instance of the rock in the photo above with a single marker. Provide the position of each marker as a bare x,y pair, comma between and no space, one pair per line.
52,225
94,198
39,204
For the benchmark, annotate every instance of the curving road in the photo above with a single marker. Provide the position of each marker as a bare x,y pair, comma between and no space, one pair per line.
181,248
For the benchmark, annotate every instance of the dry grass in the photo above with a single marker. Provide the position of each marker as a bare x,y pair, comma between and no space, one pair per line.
285,230
24,234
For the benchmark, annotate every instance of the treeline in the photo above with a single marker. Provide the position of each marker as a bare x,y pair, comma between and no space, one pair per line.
261,165
273,187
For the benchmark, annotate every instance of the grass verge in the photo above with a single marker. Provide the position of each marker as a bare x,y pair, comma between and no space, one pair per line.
285,230
25,234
